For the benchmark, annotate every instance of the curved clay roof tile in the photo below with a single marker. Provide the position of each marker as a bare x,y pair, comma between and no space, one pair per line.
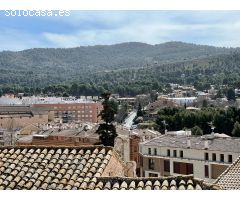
181,187
165,183
198,187
189,182
173,187
157,183
11,151
88,152
156,187
74,151
59,151
148,187
107,186
38,151
28,185
182,182
173,183
12,185
100,185
190,187
132,185
140,184
18,151
66,151
81,152
95,151
103,151
51,151
108,157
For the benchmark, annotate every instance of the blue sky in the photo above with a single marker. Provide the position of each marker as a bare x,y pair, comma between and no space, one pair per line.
83,28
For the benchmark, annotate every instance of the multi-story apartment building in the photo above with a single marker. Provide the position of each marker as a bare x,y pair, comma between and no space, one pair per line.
73,111
67,108
205,157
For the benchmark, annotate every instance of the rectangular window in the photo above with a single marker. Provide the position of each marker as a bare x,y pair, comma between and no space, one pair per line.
166,165
189,168
206,171
230,158
176,167
149,151
151,164
153,175
174,153
155,151
141,161
181,154
222,157
168,153
206,156
182,168
214,158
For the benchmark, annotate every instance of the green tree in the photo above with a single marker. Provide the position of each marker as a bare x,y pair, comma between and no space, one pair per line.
139,111
107,131
231,94
204,103
236,130
196,130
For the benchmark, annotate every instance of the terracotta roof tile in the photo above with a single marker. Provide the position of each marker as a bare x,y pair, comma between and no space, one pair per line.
229,179
73,168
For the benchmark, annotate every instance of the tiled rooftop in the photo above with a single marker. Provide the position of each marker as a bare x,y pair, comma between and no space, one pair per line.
46,168
51,168
168,183
230,178
197,142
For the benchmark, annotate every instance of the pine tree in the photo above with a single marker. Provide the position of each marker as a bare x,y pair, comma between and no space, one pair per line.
139,111
107,131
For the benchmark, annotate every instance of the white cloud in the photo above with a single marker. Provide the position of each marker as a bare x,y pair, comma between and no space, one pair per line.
99,27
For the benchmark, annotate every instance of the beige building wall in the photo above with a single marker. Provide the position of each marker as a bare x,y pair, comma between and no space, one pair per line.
196,157
115,167
21,121
87,112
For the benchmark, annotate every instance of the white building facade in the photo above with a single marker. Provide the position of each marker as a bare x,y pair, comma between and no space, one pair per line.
171,155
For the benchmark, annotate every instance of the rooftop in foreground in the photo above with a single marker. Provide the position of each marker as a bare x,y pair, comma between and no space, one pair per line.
230,178
85,167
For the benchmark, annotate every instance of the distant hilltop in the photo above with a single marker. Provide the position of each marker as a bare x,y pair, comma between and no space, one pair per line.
45,66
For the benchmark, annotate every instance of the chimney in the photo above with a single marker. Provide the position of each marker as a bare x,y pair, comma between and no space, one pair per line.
206,146
188,143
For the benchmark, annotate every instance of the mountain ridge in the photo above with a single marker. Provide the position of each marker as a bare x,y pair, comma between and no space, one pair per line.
44,66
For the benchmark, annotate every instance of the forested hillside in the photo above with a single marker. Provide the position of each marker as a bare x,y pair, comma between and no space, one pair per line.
127,68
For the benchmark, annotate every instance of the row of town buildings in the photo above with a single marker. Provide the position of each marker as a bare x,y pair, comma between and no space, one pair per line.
154,154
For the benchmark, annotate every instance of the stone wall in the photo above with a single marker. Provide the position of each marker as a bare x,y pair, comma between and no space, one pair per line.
115,167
